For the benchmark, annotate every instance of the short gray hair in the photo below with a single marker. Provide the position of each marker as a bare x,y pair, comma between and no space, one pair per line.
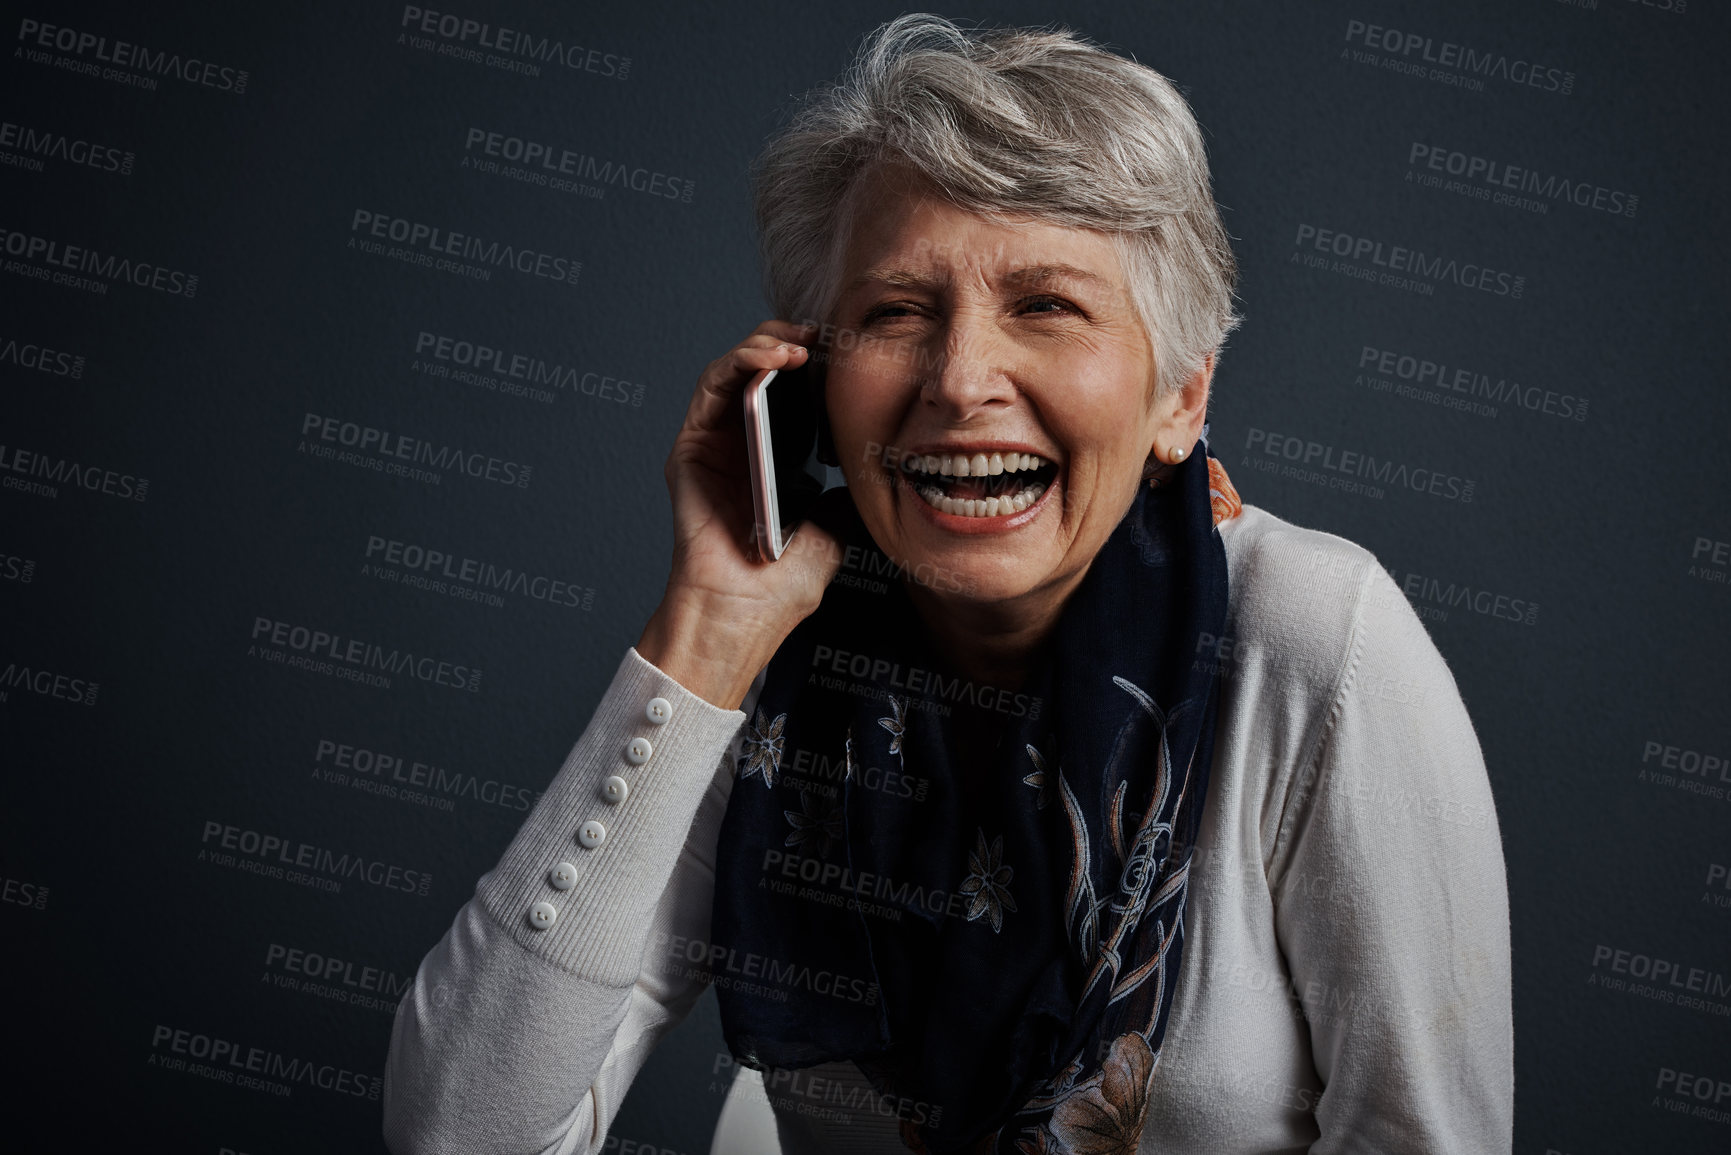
1030,122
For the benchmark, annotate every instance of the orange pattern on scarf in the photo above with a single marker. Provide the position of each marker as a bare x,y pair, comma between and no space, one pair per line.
1222,496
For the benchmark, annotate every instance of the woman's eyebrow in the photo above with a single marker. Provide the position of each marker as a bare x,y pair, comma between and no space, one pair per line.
1032,275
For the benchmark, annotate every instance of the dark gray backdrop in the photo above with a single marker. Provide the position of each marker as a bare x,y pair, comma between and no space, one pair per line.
1541,391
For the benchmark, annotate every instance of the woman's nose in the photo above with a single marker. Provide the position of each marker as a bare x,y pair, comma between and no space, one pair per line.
968,371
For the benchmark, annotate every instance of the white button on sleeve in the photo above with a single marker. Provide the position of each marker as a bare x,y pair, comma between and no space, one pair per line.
591,834
659,711
542,915
615,790
563,876
638,752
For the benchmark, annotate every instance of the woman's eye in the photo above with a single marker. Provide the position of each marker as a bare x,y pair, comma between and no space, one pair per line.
883,312
1044,305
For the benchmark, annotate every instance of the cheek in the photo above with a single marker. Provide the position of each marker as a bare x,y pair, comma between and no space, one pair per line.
863,423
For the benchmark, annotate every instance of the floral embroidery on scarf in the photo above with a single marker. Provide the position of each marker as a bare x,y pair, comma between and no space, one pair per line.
1104,1114
1041,779
989,882
821,818
761,749
897,725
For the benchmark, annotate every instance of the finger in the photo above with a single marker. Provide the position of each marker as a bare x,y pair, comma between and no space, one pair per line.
718,389
799,332
814,550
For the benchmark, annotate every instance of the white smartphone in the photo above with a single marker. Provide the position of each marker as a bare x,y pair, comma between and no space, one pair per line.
781,422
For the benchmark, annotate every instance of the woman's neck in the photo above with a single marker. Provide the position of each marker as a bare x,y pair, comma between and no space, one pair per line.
990,644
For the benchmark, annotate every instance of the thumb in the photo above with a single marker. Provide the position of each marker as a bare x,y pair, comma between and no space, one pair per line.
813,556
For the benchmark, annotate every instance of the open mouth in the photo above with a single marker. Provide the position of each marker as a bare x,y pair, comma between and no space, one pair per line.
980,485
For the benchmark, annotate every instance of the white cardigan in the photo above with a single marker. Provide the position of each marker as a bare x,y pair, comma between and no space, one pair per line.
1344,986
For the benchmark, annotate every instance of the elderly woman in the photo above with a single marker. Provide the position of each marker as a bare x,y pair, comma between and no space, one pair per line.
1046,798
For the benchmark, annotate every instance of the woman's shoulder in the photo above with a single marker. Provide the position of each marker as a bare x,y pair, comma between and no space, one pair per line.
1304,600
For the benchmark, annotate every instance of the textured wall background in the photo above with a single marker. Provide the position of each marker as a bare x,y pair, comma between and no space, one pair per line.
225,813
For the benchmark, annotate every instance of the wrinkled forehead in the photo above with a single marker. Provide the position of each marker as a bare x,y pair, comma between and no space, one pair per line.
907,234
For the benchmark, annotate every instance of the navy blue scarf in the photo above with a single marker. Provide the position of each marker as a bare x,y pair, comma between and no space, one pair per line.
974,893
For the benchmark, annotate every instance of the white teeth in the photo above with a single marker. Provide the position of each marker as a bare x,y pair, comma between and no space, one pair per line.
977,506
974,465
982,464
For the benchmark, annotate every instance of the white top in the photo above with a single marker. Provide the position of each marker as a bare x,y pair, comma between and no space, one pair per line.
1344,987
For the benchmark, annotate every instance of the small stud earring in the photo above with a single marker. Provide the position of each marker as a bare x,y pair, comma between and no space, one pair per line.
1177,454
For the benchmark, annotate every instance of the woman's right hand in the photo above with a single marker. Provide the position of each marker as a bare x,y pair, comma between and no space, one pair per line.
725,613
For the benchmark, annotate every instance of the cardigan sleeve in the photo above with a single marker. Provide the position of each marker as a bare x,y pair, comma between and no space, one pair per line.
529,1019
1392,903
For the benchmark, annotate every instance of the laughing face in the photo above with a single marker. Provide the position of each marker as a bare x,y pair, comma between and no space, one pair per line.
996,408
